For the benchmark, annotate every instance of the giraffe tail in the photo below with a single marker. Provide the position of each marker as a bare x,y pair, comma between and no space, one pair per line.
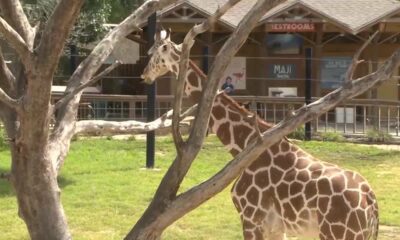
375,227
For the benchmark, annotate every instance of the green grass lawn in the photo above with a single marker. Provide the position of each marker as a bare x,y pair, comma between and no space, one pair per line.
104,189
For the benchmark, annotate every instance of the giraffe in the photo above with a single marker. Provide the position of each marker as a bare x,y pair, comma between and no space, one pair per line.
285,191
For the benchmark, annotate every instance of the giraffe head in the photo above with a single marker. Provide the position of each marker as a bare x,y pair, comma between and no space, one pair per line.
165,56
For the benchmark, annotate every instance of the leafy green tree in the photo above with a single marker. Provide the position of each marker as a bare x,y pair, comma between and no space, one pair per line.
90,25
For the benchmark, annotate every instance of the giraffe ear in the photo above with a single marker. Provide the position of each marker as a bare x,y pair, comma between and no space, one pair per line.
163,34
179,47
168,34
157,36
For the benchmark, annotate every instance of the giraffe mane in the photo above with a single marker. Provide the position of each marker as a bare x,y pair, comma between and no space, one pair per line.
230,101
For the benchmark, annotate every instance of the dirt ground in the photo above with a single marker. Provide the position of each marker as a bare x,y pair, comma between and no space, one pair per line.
389,233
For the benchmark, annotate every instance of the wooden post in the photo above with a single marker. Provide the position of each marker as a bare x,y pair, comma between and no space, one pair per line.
263,55
317,59
308,89
151,97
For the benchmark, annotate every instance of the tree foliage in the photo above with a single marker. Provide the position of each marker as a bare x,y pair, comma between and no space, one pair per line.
90,24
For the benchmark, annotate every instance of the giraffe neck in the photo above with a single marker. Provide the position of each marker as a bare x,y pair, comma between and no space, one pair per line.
233,124
194,82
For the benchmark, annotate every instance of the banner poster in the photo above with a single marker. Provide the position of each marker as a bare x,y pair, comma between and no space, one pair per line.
333,71
282,71
234,76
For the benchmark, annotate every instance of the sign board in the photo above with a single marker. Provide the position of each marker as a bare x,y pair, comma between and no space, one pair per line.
344,115
281,71
333,71
282,91
235,74
292,27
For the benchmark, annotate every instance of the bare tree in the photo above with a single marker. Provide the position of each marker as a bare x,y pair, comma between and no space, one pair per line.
38,152
26,110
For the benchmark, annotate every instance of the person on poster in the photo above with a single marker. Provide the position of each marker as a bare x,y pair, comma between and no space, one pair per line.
228,86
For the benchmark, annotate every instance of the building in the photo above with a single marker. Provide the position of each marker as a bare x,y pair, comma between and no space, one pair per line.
272,61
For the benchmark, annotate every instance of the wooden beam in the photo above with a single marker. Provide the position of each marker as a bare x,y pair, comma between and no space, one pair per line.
136,38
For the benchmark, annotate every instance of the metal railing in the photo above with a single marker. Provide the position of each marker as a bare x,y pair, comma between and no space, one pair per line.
356,116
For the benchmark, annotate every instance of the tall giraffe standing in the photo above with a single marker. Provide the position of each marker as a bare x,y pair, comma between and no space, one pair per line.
285,191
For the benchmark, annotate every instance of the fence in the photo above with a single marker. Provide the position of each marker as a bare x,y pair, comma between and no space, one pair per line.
353,117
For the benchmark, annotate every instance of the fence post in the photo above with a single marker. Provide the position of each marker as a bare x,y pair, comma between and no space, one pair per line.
308,89
151,97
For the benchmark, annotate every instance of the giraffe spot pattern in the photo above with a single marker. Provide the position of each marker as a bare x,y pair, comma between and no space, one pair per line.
339,209
218,112
283,191
263,161
324,187
297,202
295,188
248,211
253,196
323,204
241,133
275,148
223,133
244,182
259,216
276,174
338,231
266,200
284,146
193,79
285,161
235,117
338,183
261,179
352,197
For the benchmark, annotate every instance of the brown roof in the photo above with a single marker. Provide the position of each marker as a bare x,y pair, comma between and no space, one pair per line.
350,15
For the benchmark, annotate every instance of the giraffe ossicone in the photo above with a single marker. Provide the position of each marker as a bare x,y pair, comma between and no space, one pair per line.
285,191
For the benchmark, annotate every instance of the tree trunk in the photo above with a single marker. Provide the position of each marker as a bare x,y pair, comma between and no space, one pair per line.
35,183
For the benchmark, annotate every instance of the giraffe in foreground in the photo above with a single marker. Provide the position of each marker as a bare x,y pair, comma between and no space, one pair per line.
285,191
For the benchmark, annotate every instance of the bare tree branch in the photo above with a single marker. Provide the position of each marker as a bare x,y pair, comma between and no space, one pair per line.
56,32
98,127
9,101
356,57
66,117
256,125
99,76
15,40
13,13
148,226
6,75
184,63
222,59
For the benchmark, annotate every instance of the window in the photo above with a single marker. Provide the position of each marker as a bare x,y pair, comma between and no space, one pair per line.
333,71
284,44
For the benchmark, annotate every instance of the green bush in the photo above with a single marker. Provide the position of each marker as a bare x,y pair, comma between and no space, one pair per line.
378,136
332,137
298,133
3,141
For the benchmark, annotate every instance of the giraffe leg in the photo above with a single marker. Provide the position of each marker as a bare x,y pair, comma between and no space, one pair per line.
253,234
258,234
277,236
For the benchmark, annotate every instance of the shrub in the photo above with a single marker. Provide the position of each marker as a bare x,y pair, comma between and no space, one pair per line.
3,141
378,136
298,133
332,137
131,138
